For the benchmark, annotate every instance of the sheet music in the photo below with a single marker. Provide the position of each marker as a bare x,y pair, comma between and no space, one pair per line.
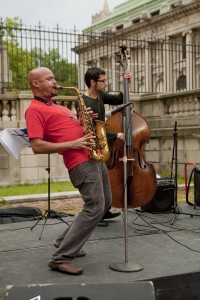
14,140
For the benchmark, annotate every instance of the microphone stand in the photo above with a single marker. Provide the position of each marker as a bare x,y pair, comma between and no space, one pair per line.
126,266
174,159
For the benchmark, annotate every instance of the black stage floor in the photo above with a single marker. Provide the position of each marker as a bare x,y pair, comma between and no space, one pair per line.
169,254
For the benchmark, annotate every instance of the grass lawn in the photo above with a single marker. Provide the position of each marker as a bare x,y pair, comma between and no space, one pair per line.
40,188
71,206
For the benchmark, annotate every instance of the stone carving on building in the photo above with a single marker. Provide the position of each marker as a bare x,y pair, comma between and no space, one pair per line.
102,14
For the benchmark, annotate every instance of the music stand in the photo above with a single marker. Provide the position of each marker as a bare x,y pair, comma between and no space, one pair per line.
14,140
49,213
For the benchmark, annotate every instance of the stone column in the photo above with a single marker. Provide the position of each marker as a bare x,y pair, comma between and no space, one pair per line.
189,59
4,69
167,67
147,68
113,72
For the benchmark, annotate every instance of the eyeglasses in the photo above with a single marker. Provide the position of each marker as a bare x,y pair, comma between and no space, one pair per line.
104,81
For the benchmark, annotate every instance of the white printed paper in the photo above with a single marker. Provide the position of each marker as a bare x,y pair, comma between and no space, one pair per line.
14,140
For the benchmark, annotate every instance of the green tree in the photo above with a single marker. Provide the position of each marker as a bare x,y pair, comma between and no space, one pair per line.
65,72
19,59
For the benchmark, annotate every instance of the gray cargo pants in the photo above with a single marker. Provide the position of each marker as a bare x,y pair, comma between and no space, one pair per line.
92,180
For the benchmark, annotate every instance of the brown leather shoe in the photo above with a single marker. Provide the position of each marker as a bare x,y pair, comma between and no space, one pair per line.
80,254
68,268
111,214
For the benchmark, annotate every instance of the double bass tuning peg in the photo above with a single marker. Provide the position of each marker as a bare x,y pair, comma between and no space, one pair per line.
118,57
122,56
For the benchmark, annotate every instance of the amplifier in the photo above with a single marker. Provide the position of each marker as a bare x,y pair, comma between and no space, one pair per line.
197,187
163,199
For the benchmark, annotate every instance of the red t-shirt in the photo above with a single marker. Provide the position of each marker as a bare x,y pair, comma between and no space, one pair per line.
56,124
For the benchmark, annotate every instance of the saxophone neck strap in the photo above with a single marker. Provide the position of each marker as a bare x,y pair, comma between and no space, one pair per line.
49,103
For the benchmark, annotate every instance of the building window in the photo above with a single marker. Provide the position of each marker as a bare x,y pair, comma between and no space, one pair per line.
155,13
184,47
119,27
181,83
135,21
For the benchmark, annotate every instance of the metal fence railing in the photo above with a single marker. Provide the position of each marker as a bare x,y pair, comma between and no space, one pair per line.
171,65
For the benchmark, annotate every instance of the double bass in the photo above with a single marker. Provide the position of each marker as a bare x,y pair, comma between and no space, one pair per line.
128,171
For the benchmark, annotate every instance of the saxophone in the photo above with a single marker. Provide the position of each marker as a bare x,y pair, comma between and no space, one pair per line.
100,151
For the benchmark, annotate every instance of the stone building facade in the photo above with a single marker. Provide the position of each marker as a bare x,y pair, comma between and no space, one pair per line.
164,39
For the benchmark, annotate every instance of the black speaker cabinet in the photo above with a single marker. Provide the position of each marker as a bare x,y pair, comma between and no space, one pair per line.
101,291
164,196
197,187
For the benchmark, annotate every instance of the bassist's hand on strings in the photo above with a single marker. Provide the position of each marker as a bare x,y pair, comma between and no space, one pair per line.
127,74
120,136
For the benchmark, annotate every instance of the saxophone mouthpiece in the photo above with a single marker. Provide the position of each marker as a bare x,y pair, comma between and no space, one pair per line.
66,88
58,87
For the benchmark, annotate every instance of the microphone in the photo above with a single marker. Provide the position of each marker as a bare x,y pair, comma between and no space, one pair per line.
109,113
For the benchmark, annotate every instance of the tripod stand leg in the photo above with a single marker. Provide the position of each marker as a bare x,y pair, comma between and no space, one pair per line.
42,229
46,216
57,216
38,221
173,219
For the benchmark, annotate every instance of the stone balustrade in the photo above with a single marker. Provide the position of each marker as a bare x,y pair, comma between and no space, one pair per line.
183,105
13,105
161,111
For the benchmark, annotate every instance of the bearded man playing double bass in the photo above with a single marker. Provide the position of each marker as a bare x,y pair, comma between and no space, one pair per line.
95,97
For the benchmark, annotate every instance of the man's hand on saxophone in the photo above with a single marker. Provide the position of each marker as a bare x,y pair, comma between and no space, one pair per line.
85,142
91,113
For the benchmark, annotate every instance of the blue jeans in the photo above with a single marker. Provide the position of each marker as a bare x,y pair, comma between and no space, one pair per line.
92,180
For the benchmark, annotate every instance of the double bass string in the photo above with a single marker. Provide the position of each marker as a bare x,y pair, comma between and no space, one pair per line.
129,143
